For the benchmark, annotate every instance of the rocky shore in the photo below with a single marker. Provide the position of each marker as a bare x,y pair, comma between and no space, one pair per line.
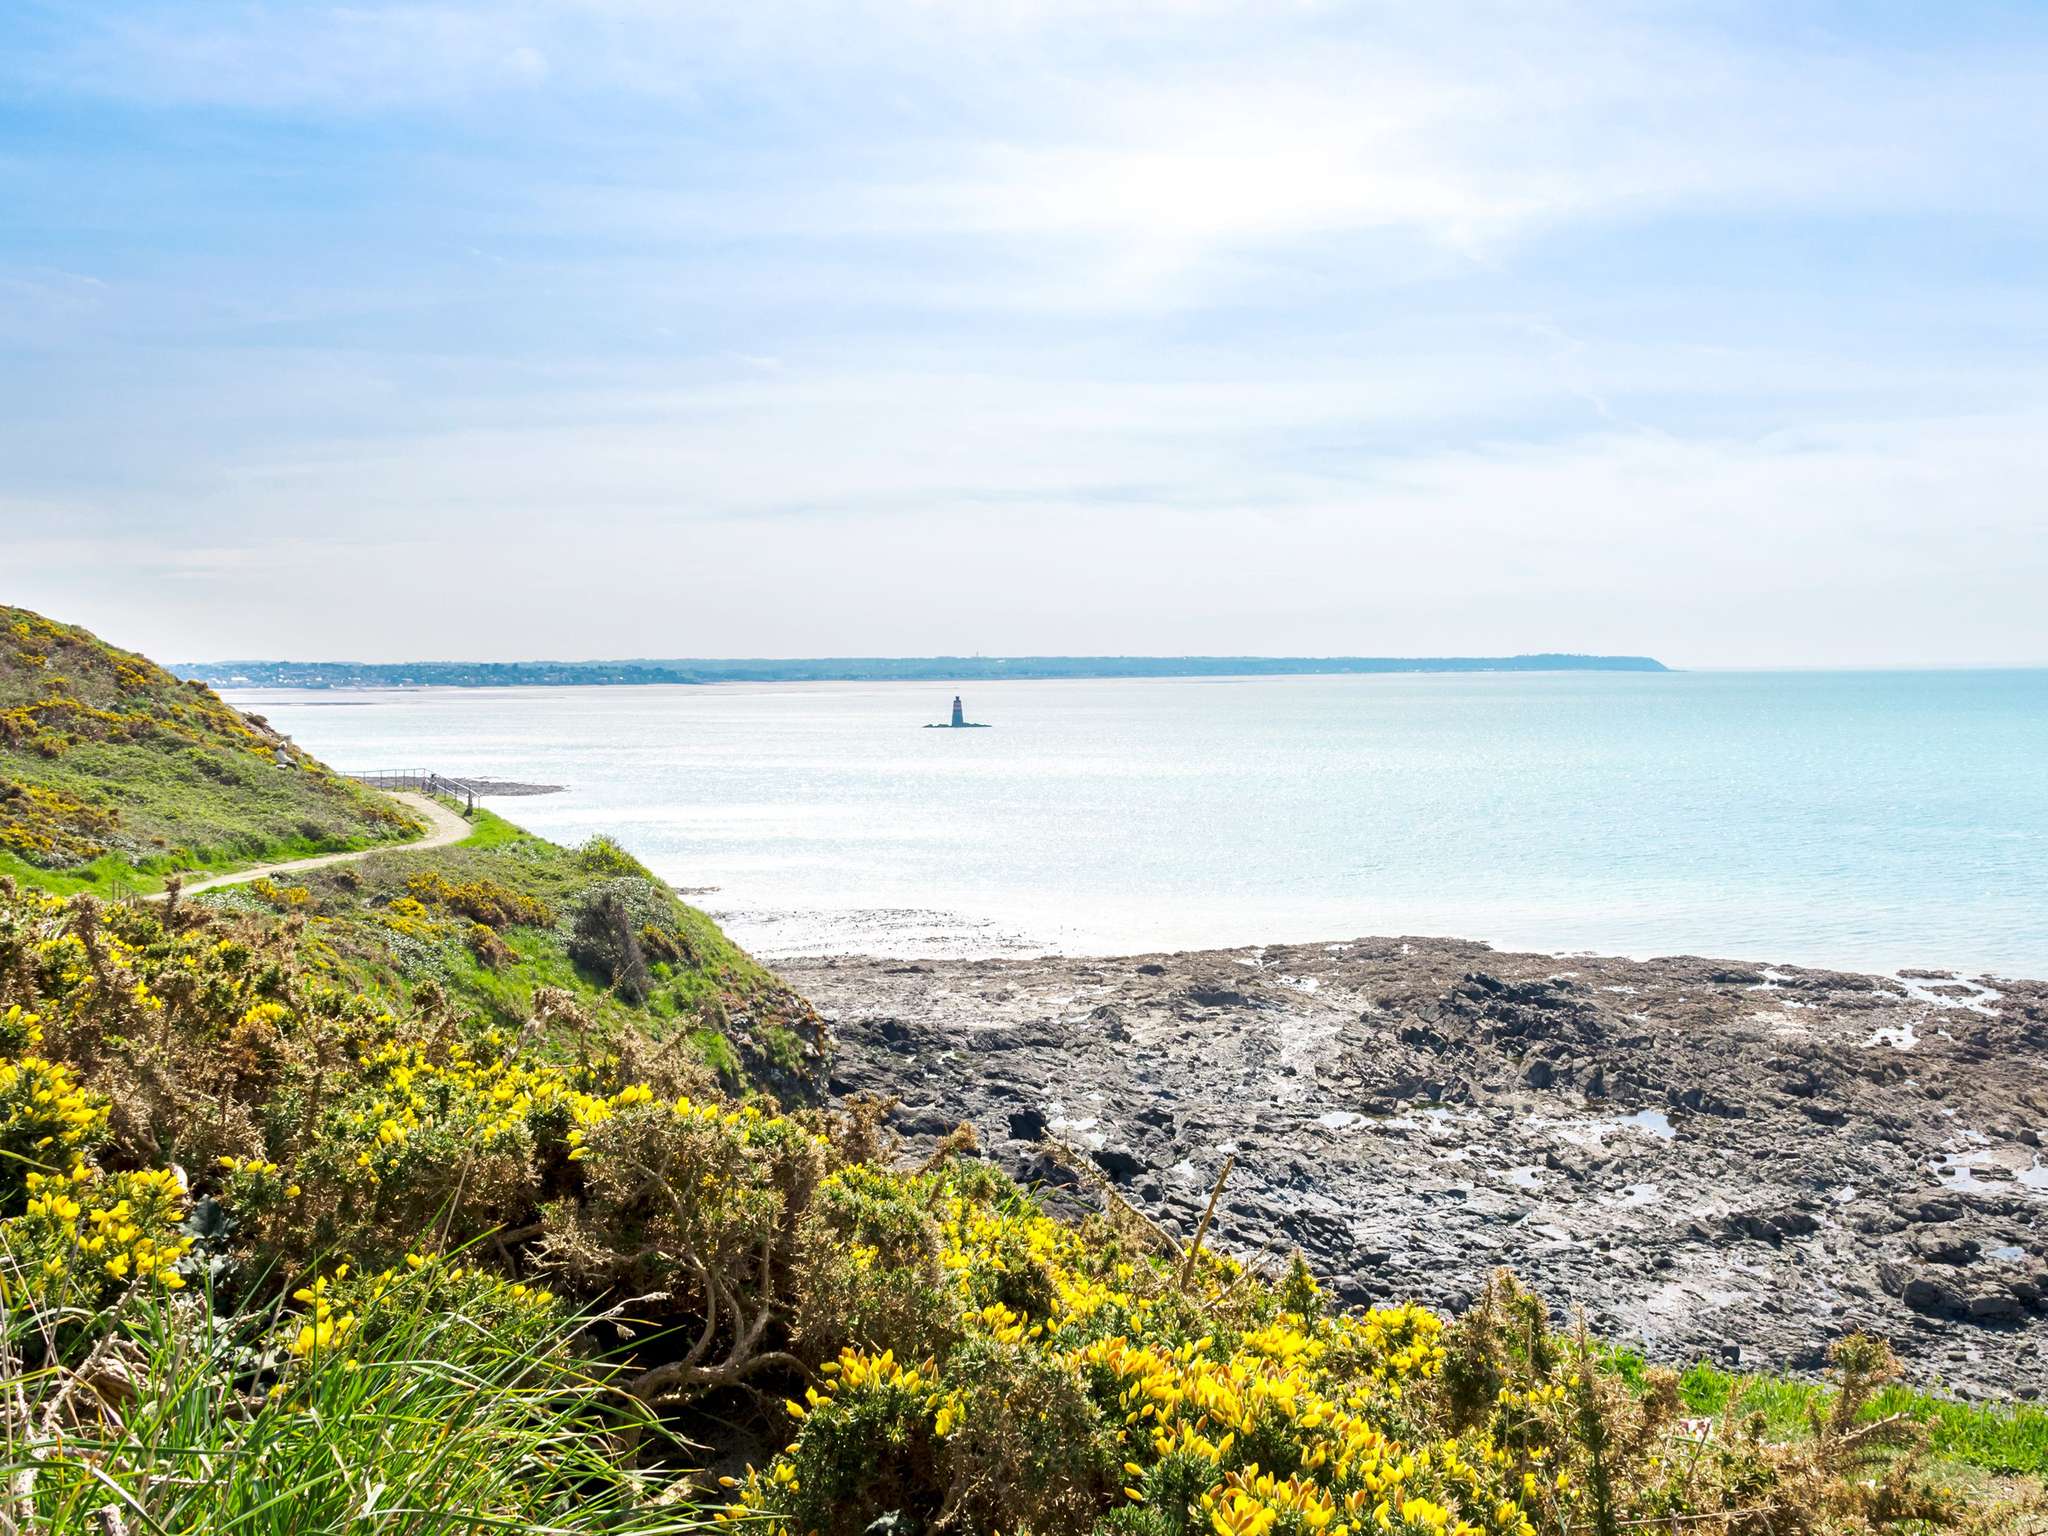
1716,1160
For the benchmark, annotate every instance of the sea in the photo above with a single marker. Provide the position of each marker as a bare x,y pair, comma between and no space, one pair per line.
1861,820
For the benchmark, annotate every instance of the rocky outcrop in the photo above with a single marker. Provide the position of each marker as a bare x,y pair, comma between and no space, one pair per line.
1716,1160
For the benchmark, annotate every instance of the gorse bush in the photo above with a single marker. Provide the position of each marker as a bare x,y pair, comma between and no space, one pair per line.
481,900
280,1252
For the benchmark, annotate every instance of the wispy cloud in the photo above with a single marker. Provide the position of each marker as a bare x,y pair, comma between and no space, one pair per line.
1304,324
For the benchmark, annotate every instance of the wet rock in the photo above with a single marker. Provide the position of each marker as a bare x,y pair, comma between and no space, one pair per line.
1704,1101
1875,1220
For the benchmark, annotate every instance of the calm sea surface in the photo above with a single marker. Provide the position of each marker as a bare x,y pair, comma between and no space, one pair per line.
1870,820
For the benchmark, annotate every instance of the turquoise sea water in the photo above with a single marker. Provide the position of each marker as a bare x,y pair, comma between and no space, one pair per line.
1870,820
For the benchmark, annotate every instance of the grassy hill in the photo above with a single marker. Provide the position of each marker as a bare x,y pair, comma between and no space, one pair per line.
114,773
487,1188
505,928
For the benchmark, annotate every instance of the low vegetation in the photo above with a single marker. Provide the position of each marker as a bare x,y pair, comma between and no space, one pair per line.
113,773
300,1204
488,1188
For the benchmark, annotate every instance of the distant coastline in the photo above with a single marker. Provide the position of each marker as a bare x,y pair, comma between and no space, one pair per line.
859,669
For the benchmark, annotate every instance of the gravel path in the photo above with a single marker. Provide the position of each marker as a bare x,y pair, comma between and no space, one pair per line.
445,827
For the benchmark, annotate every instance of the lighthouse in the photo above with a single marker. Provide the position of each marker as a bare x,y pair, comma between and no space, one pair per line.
959,722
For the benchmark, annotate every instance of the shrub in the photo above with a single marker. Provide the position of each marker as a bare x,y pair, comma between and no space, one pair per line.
961,1361
605,942
601,856
610,920
480,899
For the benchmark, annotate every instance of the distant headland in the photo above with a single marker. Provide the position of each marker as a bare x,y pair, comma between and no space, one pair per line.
858,669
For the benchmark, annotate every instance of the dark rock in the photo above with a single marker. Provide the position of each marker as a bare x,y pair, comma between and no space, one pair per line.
1996,1306
1028,1124
1110,1022
1934,1297
1944,1247
1120,1163
923,1121
1701,1101
1427,1208
1934,1206
1047,1169
1752,1224
1875,1220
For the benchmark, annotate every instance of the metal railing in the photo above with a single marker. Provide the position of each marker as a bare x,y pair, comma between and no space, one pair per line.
422,779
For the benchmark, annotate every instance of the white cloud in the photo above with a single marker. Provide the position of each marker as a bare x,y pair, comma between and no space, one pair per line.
1900,541
1171,326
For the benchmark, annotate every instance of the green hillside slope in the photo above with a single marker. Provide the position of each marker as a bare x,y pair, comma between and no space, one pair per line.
114,773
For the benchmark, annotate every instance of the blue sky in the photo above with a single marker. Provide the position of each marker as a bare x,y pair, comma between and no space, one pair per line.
609,327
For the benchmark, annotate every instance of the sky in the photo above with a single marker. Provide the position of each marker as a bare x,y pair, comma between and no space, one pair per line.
609,328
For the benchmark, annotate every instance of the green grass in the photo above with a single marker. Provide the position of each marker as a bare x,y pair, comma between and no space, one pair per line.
2007,1439
112,875
717,1053
434,1421
734,1015
488,830
113,773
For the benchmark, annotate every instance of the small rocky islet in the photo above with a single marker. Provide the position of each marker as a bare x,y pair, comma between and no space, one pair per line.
1717,1161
